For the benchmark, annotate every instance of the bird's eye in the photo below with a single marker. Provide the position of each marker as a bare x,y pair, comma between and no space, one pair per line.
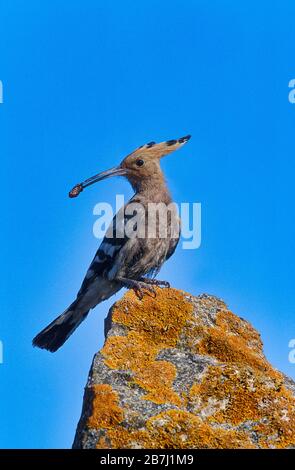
139,162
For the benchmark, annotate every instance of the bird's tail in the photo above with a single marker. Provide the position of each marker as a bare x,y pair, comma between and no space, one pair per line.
58,331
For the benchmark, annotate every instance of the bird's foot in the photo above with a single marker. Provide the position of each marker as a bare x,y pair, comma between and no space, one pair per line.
139,287
155,282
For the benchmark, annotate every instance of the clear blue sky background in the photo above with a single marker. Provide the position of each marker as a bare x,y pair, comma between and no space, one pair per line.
84,83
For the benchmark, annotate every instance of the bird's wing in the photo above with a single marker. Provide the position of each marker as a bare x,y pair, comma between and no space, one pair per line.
113,241
172,247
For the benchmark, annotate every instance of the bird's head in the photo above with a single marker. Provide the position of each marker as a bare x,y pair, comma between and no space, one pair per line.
141,165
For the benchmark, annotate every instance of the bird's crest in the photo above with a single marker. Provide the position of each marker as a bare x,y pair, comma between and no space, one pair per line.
154,150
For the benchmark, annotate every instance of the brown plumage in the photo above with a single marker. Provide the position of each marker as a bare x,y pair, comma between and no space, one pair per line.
125,260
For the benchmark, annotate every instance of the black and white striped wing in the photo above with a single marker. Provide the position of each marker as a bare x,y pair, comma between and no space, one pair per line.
104,259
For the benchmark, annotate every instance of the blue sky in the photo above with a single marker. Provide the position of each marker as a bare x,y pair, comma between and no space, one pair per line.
85,82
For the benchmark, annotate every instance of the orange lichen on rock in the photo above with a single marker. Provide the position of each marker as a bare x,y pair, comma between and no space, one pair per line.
184,372
106,412
229,340
158,320
153,326
175,429
132,353
243,393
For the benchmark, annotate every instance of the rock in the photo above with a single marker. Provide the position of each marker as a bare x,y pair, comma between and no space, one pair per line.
183,372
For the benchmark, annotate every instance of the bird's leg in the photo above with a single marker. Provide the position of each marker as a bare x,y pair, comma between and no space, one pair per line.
155,282
138,286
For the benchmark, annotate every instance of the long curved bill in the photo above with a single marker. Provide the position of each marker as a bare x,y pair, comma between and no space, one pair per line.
117,171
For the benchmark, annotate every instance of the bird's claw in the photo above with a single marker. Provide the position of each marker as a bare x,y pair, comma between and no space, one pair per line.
163,283
140,287
156,282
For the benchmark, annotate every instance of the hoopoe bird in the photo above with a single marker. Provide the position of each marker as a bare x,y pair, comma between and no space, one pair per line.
125,261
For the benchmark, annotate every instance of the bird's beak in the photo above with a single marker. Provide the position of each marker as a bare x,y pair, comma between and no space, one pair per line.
117,171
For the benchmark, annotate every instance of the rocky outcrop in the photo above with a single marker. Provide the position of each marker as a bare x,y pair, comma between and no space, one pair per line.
178,371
